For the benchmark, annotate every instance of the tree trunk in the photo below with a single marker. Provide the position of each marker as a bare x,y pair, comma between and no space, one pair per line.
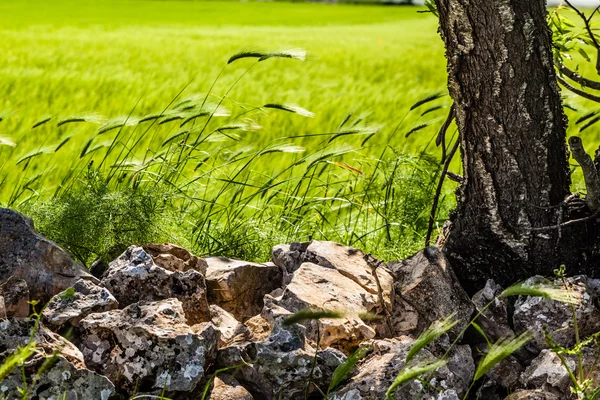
513,142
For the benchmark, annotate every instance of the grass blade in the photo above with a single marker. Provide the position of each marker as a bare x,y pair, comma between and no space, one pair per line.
291,108
499,351
436,330
553,292
342,371
407,374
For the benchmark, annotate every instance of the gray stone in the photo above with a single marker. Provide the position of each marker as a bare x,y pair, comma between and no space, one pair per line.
532,395
494,320
232,331
69,307
134,277
2,308
16,297
428,284
239,286
348,261
289,257
316,287
149,343
548,374
67,376
280,366
538,313
174,258
506,373
26,255
377,372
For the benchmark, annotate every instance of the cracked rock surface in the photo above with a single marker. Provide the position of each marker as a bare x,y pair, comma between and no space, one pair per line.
538,313
40,262
149,343
134,277
239,286
70,307
67,376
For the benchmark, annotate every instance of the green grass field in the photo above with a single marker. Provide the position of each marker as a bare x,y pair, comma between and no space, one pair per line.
232,191
102,57
108,59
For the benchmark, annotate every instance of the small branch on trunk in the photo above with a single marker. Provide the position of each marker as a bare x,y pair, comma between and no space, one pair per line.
590,174
571,222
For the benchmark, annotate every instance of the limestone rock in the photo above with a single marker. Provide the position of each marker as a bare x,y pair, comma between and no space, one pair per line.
427,283
348,261
317,287
149,343
532,395
66,377
16,297
506,373
536,313
289,257
494,320
134,277
377,372
26,255
259,328
70,306
280,366
174,258
227,388
2,308
547,373
231,329
239,286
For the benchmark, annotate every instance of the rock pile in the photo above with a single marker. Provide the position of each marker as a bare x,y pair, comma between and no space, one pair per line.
161,321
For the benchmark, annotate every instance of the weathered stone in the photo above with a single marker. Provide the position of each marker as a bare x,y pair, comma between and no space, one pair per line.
317,287
16,297
2,308
151,344
538,313
174,258
25,254
134,277
259,328
377,372
427,283
506,373
239,286
279,366
227,388
231,329
494,320
69,307
547,372
289,257
348,261
532,395
66,377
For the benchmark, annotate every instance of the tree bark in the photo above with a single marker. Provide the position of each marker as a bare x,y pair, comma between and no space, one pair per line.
513,141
